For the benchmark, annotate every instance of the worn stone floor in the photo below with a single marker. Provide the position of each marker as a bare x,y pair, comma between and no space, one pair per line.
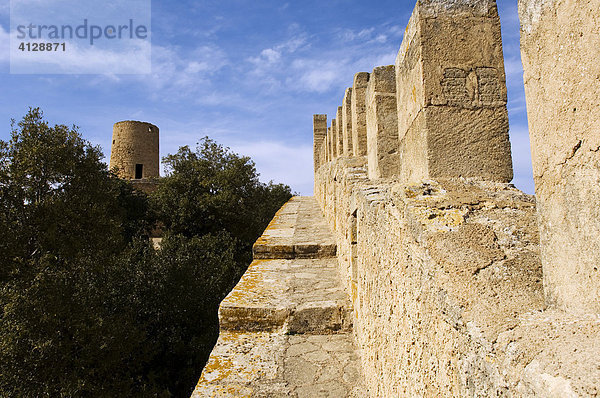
285,330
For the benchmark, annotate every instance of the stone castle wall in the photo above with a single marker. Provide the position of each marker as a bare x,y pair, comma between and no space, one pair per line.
453,291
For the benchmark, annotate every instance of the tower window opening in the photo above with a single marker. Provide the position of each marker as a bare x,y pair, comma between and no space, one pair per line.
139,168
113,142
149,129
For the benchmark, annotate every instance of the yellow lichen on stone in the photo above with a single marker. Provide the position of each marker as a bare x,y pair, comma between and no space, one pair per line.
216,369
440,219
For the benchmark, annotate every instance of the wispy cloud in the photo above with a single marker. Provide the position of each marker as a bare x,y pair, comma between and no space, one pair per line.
182,70
280,161
129,58
272,56
4,45
325,63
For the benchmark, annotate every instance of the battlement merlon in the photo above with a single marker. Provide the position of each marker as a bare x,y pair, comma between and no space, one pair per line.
359,116
334,153
560,47
451,100
382,124
319,134
339,132
347,125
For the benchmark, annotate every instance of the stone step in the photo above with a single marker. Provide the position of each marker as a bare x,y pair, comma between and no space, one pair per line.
298,230
277,365
298,296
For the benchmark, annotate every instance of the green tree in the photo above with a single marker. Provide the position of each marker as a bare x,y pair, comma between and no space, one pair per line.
175,291
212,189
87,306
64,221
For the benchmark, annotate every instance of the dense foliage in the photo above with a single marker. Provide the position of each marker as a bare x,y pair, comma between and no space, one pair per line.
87,306
212,189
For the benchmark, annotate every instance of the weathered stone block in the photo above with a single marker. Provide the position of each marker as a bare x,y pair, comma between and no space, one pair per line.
327,144
320,317
334,153
359,114
323,153
319,132
382,123
340,132
441,78
347,124
560,48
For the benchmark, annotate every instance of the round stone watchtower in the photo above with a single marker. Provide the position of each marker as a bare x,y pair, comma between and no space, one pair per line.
134,152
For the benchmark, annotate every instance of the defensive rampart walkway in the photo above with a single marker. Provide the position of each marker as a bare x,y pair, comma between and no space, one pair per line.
286,328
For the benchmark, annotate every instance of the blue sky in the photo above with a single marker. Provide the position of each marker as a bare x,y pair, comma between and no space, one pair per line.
249,74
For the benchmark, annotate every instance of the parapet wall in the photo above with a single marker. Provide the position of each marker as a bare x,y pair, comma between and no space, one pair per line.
441,256
446,287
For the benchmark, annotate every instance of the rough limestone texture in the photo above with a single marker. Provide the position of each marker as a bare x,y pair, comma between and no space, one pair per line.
445,280
319,133
324,156
359,114
560,50
347,125
285,329
340,131
382,124
323,150
329,141
451,93
135,143
334,139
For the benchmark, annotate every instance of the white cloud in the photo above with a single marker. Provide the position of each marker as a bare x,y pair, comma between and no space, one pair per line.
130,58
266,58
271,57
177,73
4,45
302,64
513,68
380,39
292,45
281,162
319,76
351,35
334,71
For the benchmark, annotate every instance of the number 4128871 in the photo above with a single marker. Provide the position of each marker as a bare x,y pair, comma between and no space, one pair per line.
43,47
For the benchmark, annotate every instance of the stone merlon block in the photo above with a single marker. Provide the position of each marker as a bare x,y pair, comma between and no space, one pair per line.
347,125
560,49
323,151
328,145
340,132
451,93
334,153
359,115
382,123
319,132
454,8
